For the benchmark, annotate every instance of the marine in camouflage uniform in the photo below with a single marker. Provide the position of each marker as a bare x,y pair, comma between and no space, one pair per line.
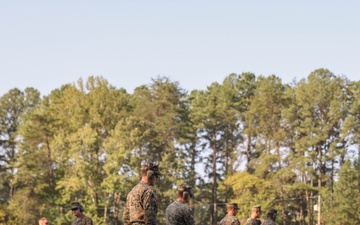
141,207
230,218
268,222
84,220
251,221
255,215
77,209
178,213
271,217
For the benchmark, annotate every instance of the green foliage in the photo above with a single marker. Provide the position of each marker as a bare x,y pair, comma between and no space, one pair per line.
24,213
250,190
343,206
250,140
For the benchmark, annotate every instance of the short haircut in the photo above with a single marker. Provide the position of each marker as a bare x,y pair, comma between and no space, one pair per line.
256,209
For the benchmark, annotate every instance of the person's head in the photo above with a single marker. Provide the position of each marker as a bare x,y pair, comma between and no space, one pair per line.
43,221
150,173
271,214
256,212
77,209
232,208
184,193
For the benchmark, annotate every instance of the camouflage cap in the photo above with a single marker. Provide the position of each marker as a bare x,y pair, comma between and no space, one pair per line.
257,207
272,212
232,205
76,205
151,166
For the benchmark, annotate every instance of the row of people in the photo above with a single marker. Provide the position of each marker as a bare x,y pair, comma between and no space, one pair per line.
141,207
78,211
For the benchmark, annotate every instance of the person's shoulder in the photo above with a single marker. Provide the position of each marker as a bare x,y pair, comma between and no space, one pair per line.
233,218
141,187
171,205
178,207
172,208
145,186
229,219
137,186
267,222
249,221
87,218
175,205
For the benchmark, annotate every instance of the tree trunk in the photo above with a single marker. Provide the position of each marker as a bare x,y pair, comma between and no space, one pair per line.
281,180
319,185
116,208
214,219
248,153
309,199
302,219
214,184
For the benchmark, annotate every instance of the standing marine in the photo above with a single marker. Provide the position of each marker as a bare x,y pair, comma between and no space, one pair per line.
141,207
178,213
255,216
230,218
77,210
271,217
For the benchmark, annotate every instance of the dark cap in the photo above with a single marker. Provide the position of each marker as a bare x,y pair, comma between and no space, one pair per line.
232,205
76,205
272,212
186,188
151,166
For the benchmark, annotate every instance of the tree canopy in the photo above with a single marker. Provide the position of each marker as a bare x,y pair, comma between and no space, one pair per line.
250,139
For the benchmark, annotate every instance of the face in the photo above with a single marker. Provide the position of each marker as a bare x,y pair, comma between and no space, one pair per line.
44,222
76,212
234,211
258,213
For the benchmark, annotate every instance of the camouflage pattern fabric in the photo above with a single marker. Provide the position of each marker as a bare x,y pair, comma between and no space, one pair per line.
268,222
177,213
141,206
230,220
251,221
84,220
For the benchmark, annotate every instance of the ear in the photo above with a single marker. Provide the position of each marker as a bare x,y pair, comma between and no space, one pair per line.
149,174
186,195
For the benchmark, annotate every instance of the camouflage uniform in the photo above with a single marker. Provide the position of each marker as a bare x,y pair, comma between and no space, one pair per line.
230,220
252,221
141,206
268,222
271,216
177,213
84,220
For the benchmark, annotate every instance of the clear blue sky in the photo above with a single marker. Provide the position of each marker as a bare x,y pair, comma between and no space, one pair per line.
45,44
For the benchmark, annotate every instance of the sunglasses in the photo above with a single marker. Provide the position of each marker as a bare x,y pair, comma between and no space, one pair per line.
74,209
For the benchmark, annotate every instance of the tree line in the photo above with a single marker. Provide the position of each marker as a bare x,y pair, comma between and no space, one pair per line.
250,139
